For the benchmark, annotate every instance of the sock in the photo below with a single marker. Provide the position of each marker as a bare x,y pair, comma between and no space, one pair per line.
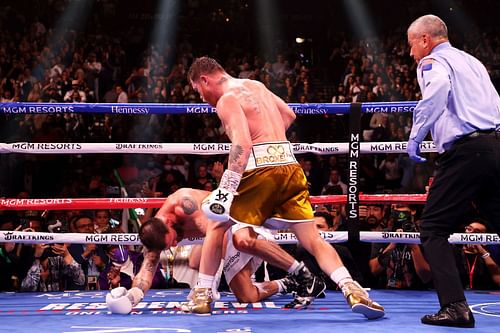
340,276
281,285
294,267
205,281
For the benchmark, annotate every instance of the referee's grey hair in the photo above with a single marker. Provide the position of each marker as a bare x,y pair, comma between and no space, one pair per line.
430,24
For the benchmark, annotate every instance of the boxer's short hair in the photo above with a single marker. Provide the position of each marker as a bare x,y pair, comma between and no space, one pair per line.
203,65
152,234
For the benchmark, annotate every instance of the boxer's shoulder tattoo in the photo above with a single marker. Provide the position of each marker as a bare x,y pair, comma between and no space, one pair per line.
189,205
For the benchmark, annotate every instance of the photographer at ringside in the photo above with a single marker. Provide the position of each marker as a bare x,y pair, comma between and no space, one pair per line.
92,257
53,269
398,265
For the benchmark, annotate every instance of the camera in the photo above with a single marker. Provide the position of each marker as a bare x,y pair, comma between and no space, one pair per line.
48,252
55,226
402,220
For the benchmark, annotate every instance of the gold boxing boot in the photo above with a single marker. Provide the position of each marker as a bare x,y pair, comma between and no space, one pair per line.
200,302
360,302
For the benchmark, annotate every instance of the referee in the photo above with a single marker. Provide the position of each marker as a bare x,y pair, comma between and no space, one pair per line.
461,109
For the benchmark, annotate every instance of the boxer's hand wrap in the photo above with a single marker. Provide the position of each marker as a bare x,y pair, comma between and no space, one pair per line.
216,205
121,301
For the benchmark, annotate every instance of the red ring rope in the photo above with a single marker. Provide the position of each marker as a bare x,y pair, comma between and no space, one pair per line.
120,203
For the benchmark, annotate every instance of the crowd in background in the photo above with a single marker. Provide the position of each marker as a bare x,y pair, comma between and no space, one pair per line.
38,63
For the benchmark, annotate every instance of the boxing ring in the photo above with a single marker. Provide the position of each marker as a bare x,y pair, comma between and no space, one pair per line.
85,311
79,312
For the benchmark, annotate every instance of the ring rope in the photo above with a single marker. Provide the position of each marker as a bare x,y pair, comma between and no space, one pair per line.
120,203
185,108
132,239
280,238
198,148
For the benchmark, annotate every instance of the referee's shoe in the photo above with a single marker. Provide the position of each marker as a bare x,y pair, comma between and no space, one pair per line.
308,285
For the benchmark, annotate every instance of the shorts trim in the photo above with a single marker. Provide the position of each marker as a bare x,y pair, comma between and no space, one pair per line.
274,223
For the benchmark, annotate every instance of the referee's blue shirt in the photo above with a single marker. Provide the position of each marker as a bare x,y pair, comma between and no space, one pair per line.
458,97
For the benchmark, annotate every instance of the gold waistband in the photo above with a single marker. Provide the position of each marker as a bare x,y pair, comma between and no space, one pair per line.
271,154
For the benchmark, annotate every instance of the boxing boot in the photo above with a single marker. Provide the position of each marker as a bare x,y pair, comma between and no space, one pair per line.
201,302
360,302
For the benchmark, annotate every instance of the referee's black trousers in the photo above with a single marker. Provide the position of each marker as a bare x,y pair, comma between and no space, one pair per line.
468,172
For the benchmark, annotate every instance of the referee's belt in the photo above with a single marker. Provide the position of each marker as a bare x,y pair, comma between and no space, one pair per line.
480,133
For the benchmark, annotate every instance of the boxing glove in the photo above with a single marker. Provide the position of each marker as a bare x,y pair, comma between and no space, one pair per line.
217,204
121,301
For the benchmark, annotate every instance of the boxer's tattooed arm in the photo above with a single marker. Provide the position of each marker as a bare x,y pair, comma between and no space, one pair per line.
151,261
142,284
144,278
189,205
236,159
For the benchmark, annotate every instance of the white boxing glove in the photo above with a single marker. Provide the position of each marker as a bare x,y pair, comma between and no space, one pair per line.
217,204
121,301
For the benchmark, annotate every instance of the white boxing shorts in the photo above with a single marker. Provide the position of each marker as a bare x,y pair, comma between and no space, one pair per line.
234,260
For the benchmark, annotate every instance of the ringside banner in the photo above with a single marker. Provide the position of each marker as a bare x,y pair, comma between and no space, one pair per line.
280,238
185,108
198,148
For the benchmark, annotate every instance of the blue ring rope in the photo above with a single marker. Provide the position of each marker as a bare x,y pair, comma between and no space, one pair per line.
183,108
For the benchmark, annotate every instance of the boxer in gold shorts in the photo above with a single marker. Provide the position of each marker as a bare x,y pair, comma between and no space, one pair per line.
263,181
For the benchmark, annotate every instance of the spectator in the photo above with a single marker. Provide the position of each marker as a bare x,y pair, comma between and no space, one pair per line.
122,96
202,177
30,221
53,269
372,217
101,220
91,257
312,174
399,265
392,172
335,181
92,69
75,95
339,96
51,95
477,268
9,259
